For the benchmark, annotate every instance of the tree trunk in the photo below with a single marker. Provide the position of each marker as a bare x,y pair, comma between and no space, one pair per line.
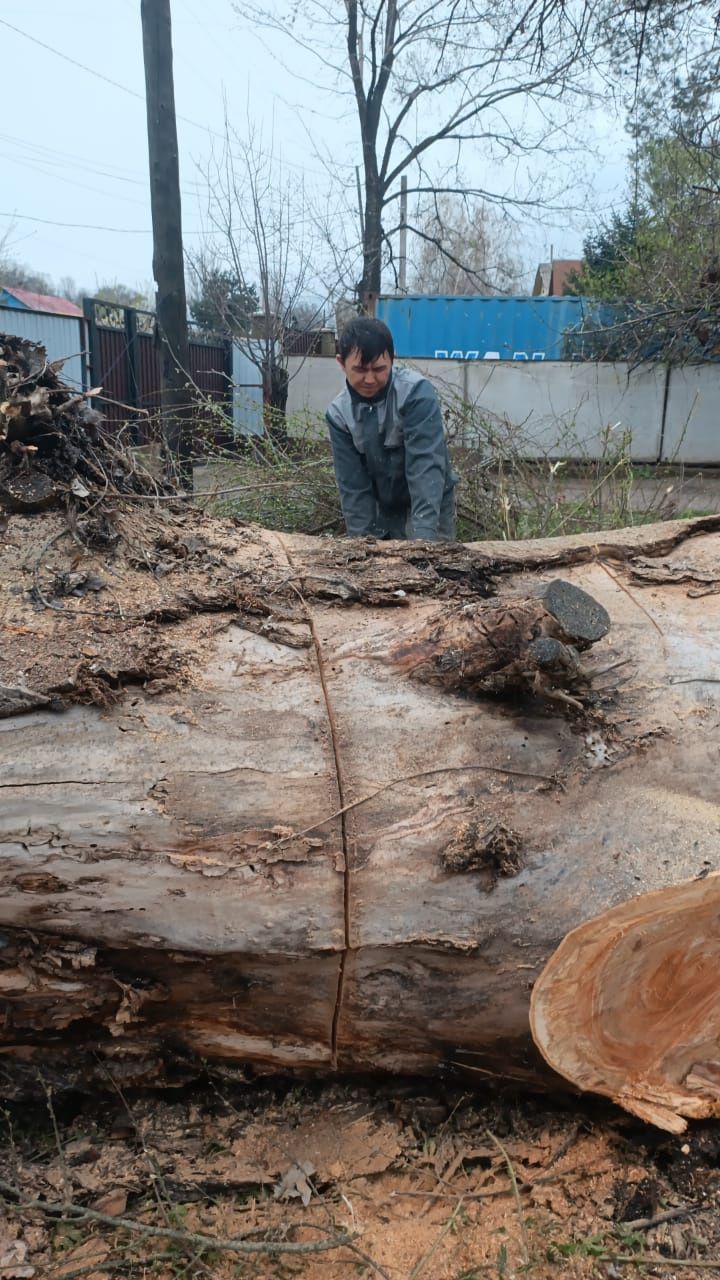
369,287
276,801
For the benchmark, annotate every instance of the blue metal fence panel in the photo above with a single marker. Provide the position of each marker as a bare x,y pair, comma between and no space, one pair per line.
247,395
478,328
63,337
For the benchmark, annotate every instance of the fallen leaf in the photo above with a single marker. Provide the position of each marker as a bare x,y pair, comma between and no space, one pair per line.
113,1203
294,1183
13,1264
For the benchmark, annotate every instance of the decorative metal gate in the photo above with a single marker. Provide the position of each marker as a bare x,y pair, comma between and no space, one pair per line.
125,362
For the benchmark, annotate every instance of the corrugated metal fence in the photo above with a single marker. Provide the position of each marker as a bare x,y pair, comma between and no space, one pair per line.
113,347
125,362
63,337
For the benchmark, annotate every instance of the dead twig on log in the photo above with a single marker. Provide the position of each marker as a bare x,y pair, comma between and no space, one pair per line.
621,586
412,777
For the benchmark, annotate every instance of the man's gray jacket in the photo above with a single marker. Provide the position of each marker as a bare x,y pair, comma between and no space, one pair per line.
391,461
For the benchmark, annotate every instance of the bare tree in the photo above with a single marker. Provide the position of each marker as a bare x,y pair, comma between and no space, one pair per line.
262,237
21,276
657,259
307,315
430,78
463,246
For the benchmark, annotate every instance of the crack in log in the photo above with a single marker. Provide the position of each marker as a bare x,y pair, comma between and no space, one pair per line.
64,782
342,814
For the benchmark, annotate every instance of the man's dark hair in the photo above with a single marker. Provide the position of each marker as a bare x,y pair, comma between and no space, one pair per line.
371,337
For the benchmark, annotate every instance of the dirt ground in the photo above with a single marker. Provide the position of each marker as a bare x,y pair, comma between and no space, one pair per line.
435,1181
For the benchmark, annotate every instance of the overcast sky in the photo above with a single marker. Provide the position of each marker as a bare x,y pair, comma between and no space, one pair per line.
73,147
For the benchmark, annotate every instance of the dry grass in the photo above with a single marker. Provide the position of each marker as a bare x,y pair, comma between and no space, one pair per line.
504,492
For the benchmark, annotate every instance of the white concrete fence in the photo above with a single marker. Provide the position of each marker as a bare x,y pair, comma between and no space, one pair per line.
556,408
547,408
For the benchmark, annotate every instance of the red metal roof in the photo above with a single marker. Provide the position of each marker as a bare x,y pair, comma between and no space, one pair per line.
562,269
44,302
552,278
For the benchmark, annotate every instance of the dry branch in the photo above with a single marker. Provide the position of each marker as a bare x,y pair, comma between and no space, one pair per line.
68,1211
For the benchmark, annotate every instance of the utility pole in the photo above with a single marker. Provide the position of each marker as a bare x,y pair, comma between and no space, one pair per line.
168,264
402,264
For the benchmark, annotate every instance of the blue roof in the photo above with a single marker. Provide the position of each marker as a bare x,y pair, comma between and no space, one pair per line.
8,299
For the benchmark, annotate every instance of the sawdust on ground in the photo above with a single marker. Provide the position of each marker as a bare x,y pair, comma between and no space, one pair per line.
443,1185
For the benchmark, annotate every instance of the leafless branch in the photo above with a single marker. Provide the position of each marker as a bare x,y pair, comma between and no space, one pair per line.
78,1213
475,70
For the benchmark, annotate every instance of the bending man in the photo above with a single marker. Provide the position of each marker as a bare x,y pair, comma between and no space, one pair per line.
391,458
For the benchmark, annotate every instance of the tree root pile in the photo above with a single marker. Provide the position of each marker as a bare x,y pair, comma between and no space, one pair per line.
53,445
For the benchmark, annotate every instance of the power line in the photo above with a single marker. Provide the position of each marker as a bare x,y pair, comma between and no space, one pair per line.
213,230
88,226
73,61
40,166
57,159
103,267
54,155
125,89
99,75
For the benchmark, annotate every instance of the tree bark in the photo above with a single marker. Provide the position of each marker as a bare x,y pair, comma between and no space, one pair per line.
369,289
335,806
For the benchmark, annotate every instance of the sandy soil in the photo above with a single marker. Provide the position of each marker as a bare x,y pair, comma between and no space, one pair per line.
443,1185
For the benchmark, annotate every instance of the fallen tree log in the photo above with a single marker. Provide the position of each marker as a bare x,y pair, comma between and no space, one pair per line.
273,802
269,823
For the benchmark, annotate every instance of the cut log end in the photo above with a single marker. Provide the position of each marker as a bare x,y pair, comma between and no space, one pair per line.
628,1005
583,619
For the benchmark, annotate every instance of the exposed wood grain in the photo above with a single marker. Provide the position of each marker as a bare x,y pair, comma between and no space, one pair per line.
296,855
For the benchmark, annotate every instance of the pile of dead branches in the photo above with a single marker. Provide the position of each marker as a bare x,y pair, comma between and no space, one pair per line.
53,445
